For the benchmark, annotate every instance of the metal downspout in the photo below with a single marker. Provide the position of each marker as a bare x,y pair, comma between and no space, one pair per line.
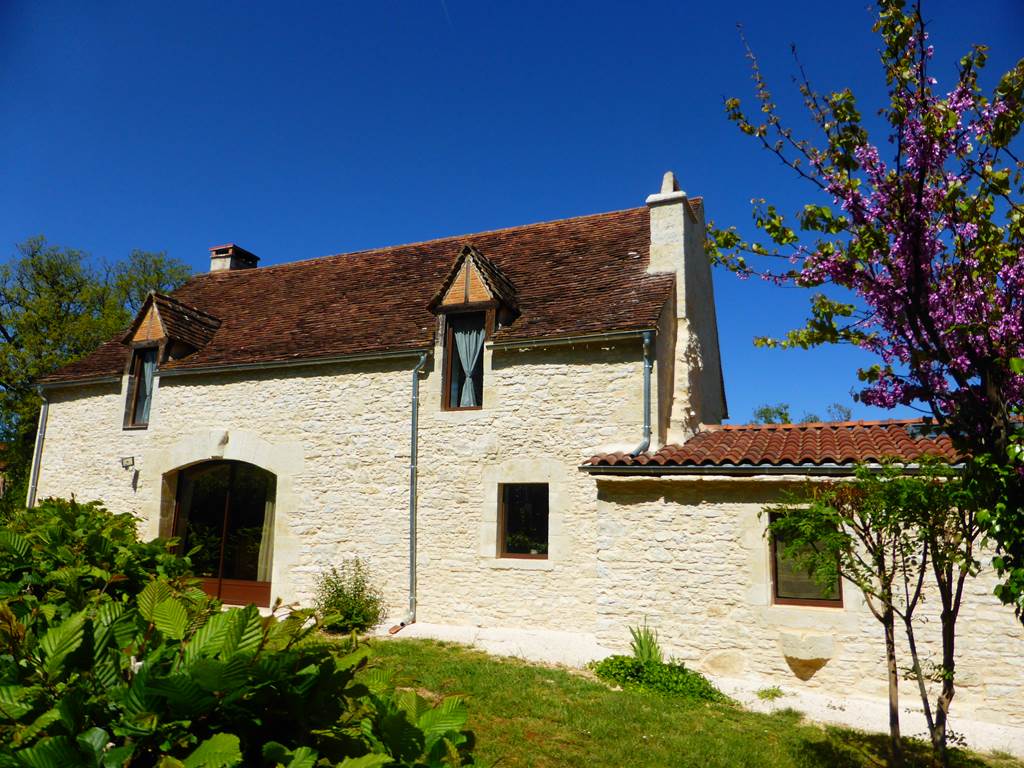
413,476
648,364
37,456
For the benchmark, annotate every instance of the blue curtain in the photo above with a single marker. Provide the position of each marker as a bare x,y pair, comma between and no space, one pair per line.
147,367
470,343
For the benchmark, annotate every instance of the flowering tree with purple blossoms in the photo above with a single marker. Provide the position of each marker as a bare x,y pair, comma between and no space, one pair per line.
916,253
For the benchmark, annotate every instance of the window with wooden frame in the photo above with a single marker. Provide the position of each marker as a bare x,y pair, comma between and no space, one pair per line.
523,520
465,333
140,387
792,585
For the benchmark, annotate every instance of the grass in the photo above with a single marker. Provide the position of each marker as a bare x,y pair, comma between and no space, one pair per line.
531,715
770,694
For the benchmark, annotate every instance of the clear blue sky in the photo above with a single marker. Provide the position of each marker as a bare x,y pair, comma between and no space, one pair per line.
302,129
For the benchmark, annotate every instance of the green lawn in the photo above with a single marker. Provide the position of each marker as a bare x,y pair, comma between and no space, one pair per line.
529,715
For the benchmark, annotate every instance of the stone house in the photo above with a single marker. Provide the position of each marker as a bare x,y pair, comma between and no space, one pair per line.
518,428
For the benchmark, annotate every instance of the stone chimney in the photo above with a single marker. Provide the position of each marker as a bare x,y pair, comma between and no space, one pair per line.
690,386
231,256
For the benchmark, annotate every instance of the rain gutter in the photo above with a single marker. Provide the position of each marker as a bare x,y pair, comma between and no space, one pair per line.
37,456
741,470
44,385
413,478
270,364
563,340
645,443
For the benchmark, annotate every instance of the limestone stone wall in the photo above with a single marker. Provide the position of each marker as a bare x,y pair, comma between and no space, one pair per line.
690,556
687,554
337,438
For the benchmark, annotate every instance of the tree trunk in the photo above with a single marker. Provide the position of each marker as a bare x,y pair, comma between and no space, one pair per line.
895,740
922,686
938,733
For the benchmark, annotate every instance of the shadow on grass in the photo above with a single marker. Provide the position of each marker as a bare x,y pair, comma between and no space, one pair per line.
845,748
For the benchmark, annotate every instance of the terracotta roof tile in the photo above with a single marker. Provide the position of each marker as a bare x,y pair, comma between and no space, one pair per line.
773,445
572,277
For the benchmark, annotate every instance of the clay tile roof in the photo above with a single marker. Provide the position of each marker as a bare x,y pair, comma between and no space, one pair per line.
771,445
572,277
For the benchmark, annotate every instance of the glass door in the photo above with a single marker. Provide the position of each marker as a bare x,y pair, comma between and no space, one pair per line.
225,517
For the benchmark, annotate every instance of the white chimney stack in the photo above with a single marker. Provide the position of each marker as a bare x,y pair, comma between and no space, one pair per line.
677,245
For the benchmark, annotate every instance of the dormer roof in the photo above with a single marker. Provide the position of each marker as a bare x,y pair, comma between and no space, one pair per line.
473,278
163,317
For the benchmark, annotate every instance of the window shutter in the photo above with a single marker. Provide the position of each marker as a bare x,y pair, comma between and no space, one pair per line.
129,401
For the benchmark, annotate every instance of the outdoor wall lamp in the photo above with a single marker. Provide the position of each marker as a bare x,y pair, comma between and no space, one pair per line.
127,462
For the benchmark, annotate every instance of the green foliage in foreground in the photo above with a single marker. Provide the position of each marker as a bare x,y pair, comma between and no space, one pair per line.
111,656
658,676
537,716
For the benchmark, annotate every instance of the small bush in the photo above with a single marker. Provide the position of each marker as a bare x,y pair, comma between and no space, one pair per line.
770,694
671,678
645,644
348,599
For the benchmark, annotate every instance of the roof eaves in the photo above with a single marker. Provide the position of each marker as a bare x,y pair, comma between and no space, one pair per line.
46,384
584,338
295,363
744,470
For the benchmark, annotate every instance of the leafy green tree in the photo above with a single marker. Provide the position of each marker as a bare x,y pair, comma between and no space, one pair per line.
145,271
839,412
56,305
913,246
780,414
884,533
772,414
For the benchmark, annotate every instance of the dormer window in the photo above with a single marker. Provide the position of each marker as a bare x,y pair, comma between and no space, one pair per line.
464,360
140,388
475,299
163,330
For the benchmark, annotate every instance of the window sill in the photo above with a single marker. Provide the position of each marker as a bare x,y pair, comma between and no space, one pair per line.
519,563
796,603
135,427
463,414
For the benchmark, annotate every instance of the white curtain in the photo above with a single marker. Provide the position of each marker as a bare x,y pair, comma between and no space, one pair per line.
469,342
184,502
266,555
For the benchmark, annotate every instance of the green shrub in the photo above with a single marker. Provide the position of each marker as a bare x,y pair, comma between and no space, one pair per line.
348,599
771,693
645,644
110,656
671,678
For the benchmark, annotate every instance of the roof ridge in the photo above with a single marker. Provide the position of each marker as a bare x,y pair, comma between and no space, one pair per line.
189,307
432,241
809,425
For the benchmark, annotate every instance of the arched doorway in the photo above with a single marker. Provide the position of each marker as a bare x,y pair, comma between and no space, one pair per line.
225,511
